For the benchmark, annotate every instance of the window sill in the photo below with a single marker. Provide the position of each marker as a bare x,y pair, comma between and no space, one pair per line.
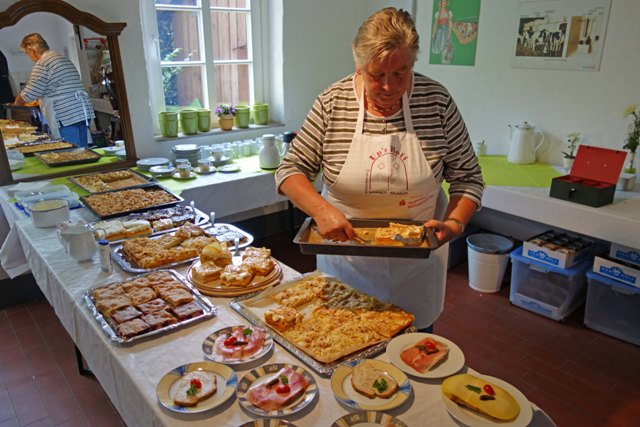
235,133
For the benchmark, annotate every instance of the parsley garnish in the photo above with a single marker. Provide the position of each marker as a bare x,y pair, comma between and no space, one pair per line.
247,332
473,388
380,385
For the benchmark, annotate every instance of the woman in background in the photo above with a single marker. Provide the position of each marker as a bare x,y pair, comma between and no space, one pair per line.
55,82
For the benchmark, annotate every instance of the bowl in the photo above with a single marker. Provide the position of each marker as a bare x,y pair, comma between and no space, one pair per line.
111,150
49,213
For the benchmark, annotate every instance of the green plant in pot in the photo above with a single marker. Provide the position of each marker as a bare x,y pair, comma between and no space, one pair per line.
633,139
225,113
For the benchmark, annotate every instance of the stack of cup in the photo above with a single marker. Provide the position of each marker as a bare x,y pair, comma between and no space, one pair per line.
168,121
189,121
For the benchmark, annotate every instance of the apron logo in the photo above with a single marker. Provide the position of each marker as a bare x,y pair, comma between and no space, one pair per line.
402,202
388,172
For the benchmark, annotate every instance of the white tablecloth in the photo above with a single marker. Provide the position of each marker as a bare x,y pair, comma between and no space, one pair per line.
129,374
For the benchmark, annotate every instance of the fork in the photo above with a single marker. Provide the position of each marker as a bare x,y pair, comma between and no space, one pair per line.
236,245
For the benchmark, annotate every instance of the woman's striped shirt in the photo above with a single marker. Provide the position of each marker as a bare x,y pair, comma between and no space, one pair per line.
52,76
325,137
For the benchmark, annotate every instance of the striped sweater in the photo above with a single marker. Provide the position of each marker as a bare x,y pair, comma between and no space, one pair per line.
323,142
52,76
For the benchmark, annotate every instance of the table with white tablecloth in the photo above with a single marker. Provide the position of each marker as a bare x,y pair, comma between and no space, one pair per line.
130,373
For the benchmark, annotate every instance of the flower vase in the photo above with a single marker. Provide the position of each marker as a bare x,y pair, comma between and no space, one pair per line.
631,165
225,122
567,164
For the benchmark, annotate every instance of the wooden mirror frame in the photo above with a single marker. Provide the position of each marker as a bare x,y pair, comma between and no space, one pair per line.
13,14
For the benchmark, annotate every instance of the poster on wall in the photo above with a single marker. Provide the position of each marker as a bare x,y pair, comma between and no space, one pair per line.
454,32
561,34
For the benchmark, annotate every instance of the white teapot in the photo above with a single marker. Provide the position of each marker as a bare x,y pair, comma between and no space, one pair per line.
78,240
524,142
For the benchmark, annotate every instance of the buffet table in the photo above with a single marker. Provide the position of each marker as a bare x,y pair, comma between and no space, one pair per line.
129,374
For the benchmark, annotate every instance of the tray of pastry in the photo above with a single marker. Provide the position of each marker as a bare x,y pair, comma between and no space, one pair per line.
146,223
324,321
68,156
375,237
167,250
112,180
115,203
44,144
147,305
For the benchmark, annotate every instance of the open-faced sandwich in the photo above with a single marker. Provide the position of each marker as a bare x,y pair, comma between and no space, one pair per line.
195,387
481,396
283,389
240,343
425,355
399,235
370,381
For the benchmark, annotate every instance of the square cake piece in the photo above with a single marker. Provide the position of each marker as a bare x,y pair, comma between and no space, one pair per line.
125,314
153,305
159,319
187,311
132,328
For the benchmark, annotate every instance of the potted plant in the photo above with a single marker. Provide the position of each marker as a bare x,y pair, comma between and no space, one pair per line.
225,113
634,136
572,143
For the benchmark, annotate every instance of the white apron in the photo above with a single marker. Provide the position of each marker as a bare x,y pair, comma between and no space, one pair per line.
49,113
388,177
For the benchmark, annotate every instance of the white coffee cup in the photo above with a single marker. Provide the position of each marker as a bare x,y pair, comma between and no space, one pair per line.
217,153
205,165
184,170
120,143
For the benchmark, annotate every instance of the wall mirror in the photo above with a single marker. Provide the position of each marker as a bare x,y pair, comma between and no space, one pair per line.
101,69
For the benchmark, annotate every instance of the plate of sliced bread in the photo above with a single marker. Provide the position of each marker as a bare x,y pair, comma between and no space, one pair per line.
196,387
370,385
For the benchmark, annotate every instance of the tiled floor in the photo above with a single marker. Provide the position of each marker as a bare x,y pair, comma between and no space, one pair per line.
580,377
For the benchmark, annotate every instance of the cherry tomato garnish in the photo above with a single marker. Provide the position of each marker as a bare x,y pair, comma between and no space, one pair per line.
196,383
283,389
488,389
230,340
430,345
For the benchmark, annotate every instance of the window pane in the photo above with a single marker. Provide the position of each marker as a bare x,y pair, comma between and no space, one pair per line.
229,32
177,2
232,83
183,86
229,3
178,35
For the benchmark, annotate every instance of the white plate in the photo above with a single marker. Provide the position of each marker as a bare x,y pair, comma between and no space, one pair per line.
473,419
229,168
226,379
367,419
223,161
266,373
178,176
210,353
152,161
186,148
164,170
211,170
345,393
452,364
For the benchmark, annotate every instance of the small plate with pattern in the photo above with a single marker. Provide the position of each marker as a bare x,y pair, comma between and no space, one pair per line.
209,345
367,419
346,394
268,422
226,379
267,374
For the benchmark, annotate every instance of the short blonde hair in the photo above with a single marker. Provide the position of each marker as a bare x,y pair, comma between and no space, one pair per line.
34,41
383,33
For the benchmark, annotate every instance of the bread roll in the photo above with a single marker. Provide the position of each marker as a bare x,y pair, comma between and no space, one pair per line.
470,391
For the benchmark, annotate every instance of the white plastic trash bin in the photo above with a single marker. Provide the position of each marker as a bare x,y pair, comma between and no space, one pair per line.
488,256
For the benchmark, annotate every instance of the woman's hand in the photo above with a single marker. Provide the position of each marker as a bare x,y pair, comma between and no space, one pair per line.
444,231
333,225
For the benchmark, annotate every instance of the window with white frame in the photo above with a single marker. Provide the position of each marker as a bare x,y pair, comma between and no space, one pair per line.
206,52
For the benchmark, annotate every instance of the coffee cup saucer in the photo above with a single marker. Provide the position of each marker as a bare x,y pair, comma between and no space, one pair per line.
178,176
211,170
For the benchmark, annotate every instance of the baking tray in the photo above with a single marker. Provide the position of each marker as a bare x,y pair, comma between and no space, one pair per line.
200,219
137,180
118,255
209,310
311,242
148,187
94,157
242,305
29,149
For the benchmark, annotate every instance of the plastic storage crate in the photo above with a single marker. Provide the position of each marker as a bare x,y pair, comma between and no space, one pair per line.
612,308
547,290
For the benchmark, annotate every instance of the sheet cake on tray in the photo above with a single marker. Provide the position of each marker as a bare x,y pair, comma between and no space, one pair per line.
324,321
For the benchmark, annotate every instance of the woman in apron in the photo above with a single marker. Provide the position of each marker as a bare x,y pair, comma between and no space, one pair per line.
385,138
